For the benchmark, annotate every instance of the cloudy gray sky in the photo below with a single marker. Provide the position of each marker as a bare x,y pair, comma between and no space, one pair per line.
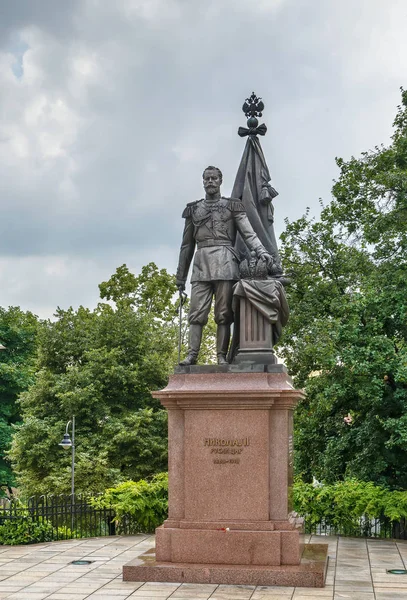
110,110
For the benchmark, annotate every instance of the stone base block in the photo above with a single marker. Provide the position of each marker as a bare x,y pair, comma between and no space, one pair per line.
221,525
309,573
232,547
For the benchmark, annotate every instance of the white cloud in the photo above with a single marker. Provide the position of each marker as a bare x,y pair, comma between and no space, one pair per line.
41,283
118,107
270,6
150,10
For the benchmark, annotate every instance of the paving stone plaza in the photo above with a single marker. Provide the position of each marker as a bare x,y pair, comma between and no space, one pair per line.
357,570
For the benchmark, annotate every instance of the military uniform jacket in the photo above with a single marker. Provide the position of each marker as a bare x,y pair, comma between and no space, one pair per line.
212,228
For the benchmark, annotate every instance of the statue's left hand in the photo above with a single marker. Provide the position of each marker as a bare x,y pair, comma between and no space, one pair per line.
268,259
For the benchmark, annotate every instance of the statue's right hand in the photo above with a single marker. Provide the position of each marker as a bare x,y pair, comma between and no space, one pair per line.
180,285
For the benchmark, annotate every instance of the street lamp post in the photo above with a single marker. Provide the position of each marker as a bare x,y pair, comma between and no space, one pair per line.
66,444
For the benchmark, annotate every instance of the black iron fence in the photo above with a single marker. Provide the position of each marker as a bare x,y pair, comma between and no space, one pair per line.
363,527
49,518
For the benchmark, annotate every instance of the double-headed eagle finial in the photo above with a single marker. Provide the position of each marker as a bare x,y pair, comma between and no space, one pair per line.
253,107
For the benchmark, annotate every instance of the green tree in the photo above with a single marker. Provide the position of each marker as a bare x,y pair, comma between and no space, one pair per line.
18,331
152,292
101,366
346,339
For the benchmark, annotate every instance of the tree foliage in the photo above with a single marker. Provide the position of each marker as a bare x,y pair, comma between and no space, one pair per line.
18,332
346,339
101,366
347,506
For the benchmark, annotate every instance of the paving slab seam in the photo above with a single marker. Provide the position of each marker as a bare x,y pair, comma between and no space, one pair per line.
168,597
336,565
146,536
108,560
401,556
29,584
30,565
209,597
85,540
370,569
348,556
251,595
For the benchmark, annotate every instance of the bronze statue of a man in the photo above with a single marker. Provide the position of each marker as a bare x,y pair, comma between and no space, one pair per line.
211,224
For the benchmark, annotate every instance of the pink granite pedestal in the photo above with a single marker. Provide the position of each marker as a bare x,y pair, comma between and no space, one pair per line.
230,437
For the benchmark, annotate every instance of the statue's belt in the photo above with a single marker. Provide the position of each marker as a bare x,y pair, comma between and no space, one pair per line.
211,243
208,243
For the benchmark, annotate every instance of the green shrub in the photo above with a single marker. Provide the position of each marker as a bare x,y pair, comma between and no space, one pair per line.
25,530
144,503
345,505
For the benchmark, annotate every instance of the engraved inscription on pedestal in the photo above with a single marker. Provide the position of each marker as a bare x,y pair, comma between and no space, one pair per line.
222,456
224,446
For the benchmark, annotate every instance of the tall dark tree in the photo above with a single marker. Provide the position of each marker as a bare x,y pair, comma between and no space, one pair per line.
346,340
18,332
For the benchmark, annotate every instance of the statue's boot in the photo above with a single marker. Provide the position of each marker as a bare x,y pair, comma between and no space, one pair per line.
195,337
222,343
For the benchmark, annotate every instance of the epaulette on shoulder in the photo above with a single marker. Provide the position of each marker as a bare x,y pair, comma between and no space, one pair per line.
188,209
236,204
